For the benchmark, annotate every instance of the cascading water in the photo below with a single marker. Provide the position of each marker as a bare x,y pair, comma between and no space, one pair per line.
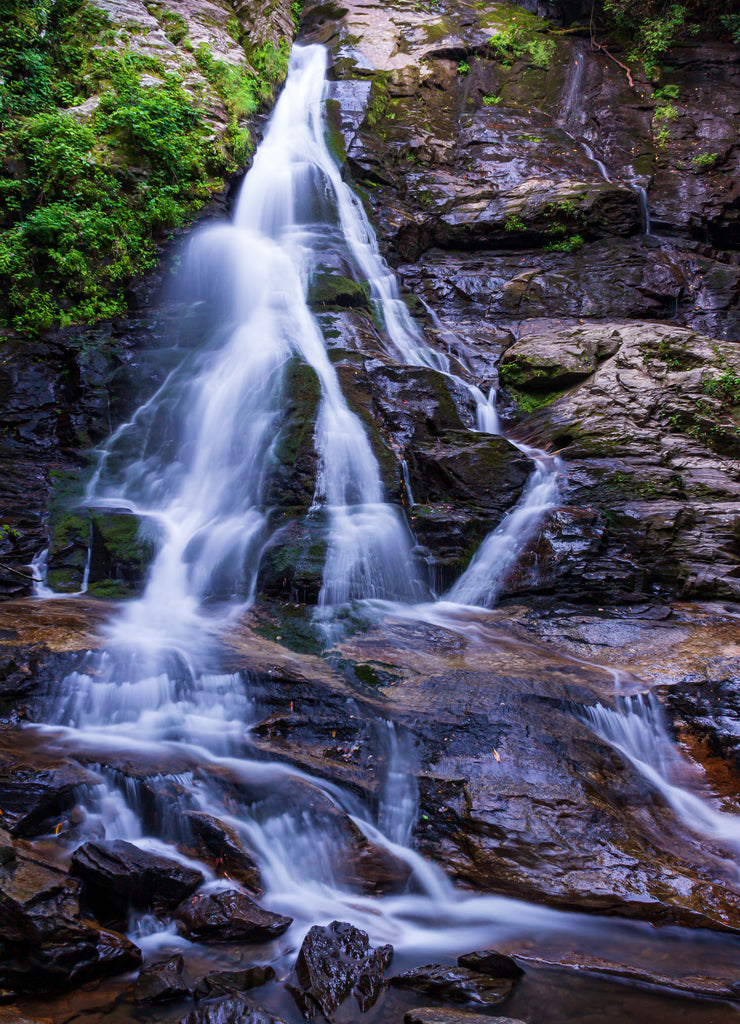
635,728
195,460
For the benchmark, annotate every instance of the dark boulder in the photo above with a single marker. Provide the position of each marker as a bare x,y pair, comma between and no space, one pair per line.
162,982
117,875
457,984
44,942
34,794
334,962
229,915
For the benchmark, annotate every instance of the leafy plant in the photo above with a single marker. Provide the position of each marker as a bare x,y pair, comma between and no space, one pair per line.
570,244
490,100
705,161
666,112
86,202
463,68
514,223
511,44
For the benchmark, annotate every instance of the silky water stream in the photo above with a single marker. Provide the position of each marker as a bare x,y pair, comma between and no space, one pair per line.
196,460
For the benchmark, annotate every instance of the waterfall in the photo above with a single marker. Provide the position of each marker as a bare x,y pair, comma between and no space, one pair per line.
635,728
206,440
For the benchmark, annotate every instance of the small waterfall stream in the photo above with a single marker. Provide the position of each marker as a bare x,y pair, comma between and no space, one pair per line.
196,459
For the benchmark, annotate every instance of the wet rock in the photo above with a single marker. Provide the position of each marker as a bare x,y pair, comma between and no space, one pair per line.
46,943
491,963
220,843
457,984
231,1011
7,848
224,983
445,1015
34,794
228,916
161,982
117,875
334,962
366,866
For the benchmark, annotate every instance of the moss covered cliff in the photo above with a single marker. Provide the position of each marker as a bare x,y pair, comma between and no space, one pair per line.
118,120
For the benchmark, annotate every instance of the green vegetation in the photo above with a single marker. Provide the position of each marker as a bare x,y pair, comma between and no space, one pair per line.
463,68
651,27
725,387
87,195
514,223
570,244
491,101
667,112
705,161
512,43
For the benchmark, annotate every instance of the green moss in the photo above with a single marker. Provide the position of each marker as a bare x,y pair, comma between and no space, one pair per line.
531,402
333,131
328,289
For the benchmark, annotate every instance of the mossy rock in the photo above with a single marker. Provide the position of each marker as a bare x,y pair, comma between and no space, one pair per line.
292,565
292,481
68,552
123,547
332,290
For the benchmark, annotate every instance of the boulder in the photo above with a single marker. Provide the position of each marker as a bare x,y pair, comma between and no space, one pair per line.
220,843
162,982
35,793
231,1011
117,876
228,916
334,962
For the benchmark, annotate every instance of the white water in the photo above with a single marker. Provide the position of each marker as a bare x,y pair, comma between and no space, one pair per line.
635,728
196,459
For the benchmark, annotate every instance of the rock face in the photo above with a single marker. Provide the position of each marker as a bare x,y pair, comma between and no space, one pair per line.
335,962
467,149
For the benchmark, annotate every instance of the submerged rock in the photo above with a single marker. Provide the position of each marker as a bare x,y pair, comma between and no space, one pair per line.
117,875
457,984
334,962
223,983
491,963
445,1015
228,916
